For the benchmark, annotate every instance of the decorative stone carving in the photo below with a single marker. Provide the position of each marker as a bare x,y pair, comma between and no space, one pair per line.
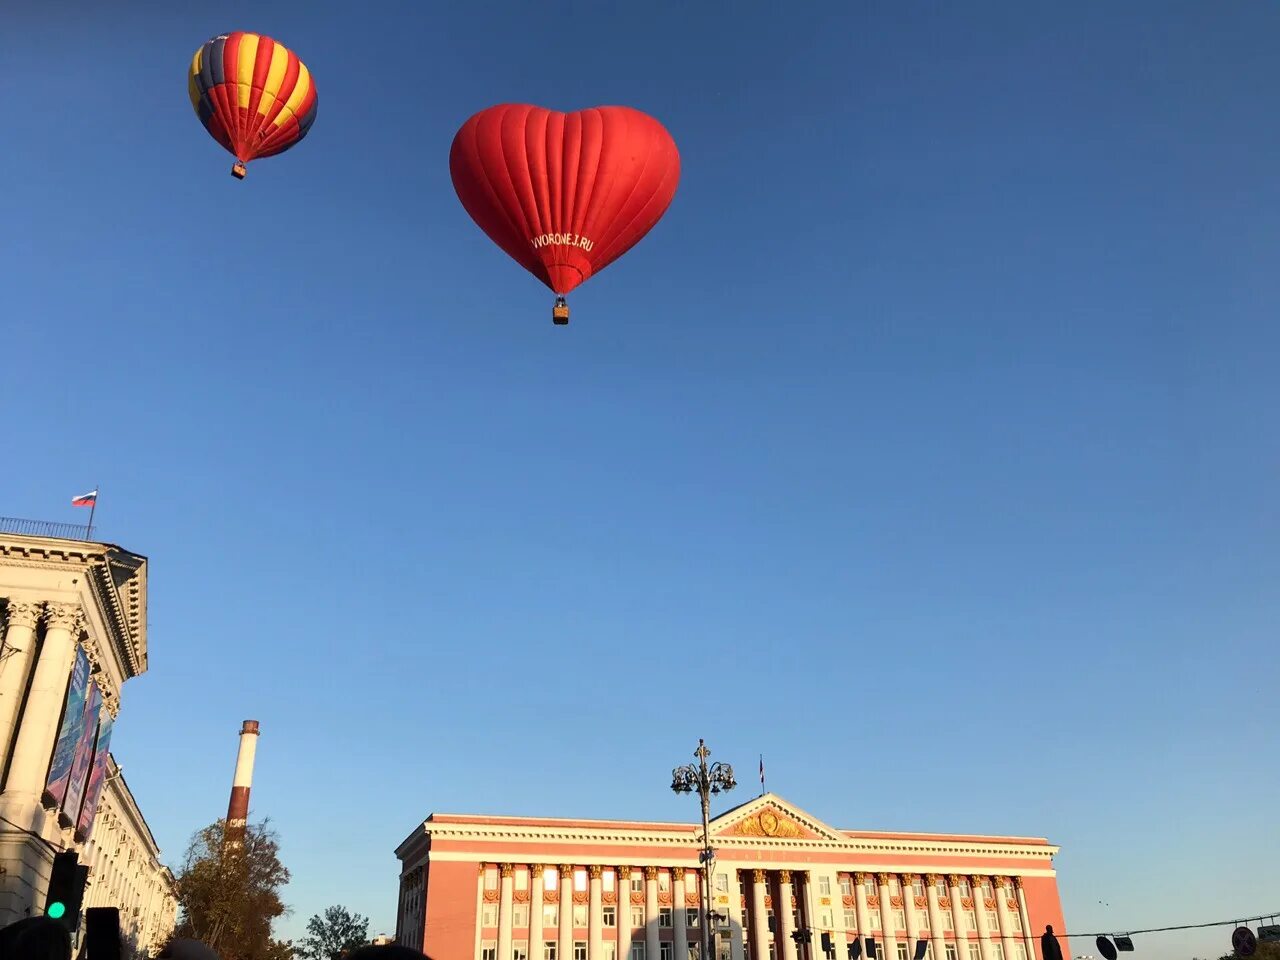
873,902
664,899
757,876
859,879
896,902
793,900
767,823
931,879
520,896
608,897
882,879
784,876
637,898
551,896
580,896
1002,882
690,899
651,873
481,865
535,871
922,902
677,873
566,870
768,901
966,903
1012,904
944,903
1017,883
491,896
849,900
24,613
506,869
989,903
64,616
594,871
953,880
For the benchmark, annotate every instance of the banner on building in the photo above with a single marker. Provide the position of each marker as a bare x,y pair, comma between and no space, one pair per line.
84,756
64,752
97,778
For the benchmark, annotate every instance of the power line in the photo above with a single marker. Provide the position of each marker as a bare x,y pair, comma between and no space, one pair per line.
1238,922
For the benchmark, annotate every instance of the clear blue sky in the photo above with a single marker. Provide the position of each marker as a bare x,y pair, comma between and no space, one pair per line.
927,446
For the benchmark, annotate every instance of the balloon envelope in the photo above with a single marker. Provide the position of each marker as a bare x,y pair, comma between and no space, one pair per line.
564,194
254,96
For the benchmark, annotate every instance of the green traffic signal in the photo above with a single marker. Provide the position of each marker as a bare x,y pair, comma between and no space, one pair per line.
56,910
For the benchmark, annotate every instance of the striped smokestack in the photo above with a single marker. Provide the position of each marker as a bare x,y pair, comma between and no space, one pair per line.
238,808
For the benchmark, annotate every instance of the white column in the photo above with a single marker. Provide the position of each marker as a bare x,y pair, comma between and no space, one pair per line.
935,919
759,920
736,911
1003,890
980,912
838,939
39,726
535,911
595,917
651,914
860,903
909,910
1026,919
957,919
504,911
888,924
624,913
782,913
680,948
15,665
564,951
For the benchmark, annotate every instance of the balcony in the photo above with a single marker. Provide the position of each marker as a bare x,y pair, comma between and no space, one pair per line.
45,528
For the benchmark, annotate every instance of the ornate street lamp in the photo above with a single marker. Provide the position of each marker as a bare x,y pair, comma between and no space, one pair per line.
705,780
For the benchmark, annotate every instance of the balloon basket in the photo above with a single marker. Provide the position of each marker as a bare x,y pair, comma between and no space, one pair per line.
560,313
238,170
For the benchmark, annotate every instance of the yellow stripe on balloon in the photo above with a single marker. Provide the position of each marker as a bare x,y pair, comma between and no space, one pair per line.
275,73
193,91
300,90
248,56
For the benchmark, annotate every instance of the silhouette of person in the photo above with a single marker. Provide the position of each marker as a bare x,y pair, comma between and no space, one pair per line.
35,938
1049,947
386,952
188,950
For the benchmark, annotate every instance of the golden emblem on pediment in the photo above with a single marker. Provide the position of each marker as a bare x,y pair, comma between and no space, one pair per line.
766,823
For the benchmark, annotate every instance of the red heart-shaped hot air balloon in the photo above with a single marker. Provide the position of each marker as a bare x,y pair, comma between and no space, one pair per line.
564,194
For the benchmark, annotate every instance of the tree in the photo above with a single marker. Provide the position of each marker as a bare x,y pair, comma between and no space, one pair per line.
1266,951
333,935
230,893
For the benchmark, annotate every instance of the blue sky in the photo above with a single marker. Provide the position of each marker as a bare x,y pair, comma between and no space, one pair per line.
927,446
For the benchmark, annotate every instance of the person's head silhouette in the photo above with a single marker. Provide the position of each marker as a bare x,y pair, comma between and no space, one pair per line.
35,938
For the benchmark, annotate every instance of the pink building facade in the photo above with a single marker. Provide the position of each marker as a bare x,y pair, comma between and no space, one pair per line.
523,888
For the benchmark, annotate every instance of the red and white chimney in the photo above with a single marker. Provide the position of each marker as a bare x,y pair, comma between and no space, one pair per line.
238,808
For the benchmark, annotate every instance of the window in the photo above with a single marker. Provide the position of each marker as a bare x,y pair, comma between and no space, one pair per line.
922,918
948,922
610,951
902,951
579,914
824,886
550,916
722,883
579,950
609,916
724,950
846,887
637,919
549,879
824,919
1015,921
895,886
773,951
970,920
691,919
488,950
637,884
850,918
899,919
664,951
579,880
608,881
872,890
997,951
993,922
987,893
1020,951
974,952
873,919
664,916
965,889
694,951
489,915
742,885
637,950
519,914
664,882
522,879
950,950
917,886
491,878
519,952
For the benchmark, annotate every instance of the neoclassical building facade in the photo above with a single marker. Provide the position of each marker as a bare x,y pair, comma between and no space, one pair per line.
518,888
73,624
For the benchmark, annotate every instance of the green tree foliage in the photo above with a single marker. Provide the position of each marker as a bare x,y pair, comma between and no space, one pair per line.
230,893
333,935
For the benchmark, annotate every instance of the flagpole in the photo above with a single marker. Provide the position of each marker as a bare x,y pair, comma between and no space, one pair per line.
92,509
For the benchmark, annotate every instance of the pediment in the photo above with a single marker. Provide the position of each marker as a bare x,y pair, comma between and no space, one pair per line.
771,818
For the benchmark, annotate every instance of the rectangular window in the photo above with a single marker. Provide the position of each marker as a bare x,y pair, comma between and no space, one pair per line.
580,880
488,950
488,915
950,950
519,914
637,950
965,889
970,920
948,921
579,950
974,952
608,881
1015,921
850,918
824,886
664,882
579,914
987,893
522,879
550,915
997,951
846,887
742,886
549,879
637,882
902,951
773,950
899,919
664,916
691,918
873,919
637,917
519,952
917,887
491,878
610,951
1020,951
872,889
609,916
895,886
824,919
724,950
664,951
722,883
694,951
993,921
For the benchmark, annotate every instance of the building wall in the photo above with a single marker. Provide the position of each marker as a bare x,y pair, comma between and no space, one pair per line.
56,597
488,879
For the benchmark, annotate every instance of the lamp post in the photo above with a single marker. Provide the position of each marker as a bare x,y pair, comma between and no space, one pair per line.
706,780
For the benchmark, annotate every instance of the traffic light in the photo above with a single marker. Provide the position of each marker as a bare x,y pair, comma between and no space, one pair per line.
826,942
66,889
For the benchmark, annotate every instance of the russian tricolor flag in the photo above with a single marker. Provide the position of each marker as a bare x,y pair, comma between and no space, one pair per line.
85,499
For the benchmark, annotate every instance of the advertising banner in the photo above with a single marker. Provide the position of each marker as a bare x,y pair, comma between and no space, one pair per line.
64,753
97,777
84,756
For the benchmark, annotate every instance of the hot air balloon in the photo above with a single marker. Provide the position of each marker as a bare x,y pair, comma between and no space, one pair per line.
564,194
255,97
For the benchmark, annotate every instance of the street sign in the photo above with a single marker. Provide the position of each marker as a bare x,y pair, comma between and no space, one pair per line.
1269,934
1244,942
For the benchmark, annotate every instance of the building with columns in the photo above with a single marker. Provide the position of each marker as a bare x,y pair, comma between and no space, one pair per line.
73,618
523,888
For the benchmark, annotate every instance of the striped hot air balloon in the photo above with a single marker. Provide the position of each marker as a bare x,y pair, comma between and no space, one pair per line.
254,96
